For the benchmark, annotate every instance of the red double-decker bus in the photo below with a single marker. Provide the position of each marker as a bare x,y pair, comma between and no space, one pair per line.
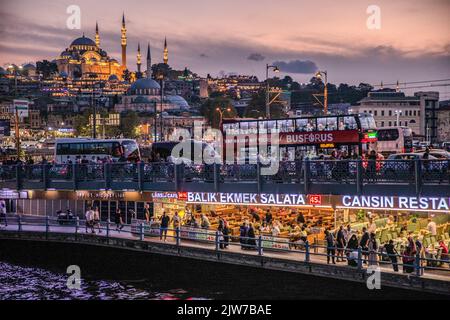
301,137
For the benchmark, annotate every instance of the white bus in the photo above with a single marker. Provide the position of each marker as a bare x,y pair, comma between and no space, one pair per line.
117,149
394,140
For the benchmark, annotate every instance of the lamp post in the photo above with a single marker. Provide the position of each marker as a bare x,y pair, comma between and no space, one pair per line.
161,79
398,113
275,69
16,112
319,75
221,112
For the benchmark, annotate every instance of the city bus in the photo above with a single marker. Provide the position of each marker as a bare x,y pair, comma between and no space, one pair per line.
116,149
302,137
394,140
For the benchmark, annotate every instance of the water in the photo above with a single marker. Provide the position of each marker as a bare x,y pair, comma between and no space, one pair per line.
37,271
31,283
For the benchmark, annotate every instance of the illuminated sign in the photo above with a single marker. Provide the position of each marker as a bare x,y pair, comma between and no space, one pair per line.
100,195
327,137
371,136
327,145
390,202
246,198
315,199
164,195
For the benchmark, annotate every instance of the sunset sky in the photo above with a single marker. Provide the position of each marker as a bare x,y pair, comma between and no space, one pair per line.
237,36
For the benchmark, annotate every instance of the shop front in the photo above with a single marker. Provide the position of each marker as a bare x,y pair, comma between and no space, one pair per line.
389,217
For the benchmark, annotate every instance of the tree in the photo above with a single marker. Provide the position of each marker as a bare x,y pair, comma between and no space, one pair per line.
257,107
128,125
126,75
209,110
47,68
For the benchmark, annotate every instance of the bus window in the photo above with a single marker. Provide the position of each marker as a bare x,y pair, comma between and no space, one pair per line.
131,150
262,126
311,126
302,125
286,125
388,135
116,151
272,127
253,127
367,121
321,124
349,123
243,128
331,124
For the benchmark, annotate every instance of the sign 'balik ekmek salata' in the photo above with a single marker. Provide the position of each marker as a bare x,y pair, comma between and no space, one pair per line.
369,202
246,198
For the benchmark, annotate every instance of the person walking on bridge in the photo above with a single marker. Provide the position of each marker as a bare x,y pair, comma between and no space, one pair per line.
119,220
3,212
90,220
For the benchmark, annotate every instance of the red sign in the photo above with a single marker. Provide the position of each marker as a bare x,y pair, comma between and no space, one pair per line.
315,199
322,137
182,196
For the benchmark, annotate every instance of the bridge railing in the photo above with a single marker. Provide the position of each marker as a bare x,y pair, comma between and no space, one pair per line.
416,173
417,264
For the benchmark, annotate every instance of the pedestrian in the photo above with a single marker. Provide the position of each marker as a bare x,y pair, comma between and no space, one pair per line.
364,244
392,254
352,251
251,237
340,244
165,219
97,219
373,250
205,224
119,220
148,215
220,229
226,233
176,221
409,256
90,220
269,217
331,246
243,235
3,212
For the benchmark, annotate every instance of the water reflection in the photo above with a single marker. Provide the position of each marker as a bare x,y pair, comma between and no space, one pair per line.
26,283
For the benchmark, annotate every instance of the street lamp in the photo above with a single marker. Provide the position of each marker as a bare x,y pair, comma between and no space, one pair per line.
221,112
319,75
275,69
398,113
161,79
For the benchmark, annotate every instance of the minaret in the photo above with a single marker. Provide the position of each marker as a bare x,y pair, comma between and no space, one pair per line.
124,43
97,36
139,58
166,52
149,62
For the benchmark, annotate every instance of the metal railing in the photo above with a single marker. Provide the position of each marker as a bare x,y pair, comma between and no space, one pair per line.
260,245
417,173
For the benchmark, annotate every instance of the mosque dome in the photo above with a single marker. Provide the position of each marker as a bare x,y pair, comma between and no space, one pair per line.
83,41
145,83
177,100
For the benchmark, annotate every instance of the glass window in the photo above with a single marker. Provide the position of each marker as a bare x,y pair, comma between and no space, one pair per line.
253,127
262,126
331,124
321,124
285,125
302,125
312,124
243,128
272,127
388,135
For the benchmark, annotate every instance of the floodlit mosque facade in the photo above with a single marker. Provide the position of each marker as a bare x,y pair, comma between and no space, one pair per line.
86,59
